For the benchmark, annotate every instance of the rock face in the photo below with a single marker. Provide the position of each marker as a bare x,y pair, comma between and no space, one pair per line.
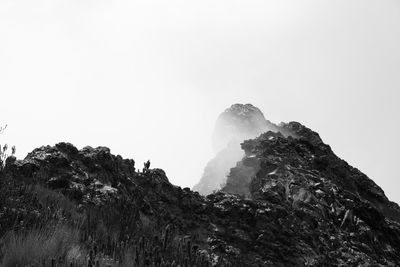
337,213
290,201
233,126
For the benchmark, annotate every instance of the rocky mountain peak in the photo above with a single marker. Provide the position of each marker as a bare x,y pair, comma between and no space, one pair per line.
246,110
236,124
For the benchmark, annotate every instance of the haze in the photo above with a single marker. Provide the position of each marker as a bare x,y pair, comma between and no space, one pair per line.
149,78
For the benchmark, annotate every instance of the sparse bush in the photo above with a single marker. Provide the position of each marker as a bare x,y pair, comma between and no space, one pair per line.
4,155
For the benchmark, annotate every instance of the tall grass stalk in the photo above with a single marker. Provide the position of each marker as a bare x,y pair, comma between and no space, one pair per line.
34,246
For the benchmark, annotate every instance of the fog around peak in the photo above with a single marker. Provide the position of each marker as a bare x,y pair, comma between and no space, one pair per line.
236,124
149,78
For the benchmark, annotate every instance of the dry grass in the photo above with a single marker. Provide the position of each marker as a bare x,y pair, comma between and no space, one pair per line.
55,199
40,244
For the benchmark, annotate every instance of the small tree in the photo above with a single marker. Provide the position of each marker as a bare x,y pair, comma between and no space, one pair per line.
4,151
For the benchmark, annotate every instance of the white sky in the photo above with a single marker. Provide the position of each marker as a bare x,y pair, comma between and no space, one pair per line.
149,78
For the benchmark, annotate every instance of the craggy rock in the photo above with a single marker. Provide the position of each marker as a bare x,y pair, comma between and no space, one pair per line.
289,202
335,214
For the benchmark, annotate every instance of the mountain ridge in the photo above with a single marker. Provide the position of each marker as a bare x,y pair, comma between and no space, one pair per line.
289,201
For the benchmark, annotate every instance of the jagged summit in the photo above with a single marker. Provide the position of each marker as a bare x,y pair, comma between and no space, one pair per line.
244,110
237,123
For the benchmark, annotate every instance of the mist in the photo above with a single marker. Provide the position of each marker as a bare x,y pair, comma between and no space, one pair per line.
236,124
149,78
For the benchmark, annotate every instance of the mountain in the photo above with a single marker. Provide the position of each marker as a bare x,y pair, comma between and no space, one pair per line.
289,201
237,123
233,126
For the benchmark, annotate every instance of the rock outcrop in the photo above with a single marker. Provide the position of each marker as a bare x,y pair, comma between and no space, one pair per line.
337,215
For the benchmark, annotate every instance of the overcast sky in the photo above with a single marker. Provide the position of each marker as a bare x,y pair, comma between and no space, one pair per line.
149,78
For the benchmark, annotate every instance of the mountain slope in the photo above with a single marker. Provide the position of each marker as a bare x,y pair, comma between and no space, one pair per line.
290,201
338,213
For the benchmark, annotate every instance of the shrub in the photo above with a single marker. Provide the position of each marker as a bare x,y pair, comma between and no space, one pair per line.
4,151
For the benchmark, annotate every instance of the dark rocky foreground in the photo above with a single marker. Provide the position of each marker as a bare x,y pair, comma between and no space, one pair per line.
289,202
